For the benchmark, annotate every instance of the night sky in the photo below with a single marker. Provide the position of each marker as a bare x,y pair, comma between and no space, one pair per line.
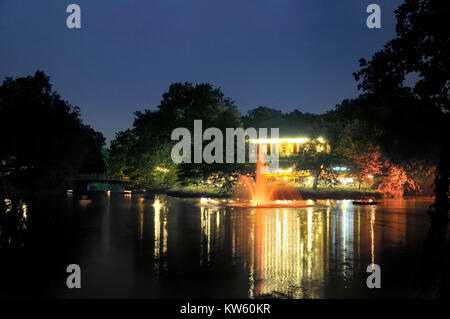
284,54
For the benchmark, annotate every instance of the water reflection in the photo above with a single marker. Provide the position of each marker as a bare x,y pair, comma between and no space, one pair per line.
160,234
372,236
214,251
297,252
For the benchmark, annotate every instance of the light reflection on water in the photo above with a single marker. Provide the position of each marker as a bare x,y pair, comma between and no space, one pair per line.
131,246
161,234
295,252
284,248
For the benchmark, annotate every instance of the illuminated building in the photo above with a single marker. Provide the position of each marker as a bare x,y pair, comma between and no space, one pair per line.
288,148
291,146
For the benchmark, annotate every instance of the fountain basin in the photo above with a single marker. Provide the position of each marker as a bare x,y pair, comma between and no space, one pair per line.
271,204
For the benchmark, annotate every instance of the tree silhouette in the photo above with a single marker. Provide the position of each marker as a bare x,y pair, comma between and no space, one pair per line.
43,140
143,151
421,51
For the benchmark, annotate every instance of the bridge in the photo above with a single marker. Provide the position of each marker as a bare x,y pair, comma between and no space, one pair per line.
81,181
102,178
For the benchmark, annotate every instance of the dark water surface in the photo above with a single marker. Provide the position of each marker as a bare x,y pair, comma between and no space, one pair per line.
165,247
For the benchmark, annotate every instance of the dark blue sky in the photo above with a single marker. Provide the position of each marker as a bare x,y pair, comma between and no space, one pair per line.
284,54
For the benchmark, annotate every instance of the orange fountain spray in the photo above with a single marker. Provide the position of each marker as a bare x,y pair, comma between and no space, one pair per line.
260,192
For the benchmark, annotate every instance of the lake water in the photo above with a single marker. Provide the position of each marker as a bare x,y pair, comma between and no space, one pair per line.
165,247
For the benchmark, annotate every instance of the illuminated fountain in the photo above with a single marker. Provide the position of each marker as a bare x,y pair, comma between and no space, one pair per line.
260,192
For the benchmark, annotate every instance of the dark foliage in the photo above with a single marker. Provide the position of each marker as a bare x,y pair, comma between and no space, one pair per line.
43,140
418,114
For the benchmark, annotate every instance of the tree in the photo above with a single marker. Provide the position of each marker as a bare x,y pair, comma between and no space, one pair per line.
309,125
106,159
421,50
158,170
366,164
264,117
422,172
395,181
185,102
295,123
123,155
44,141
139,151
316,163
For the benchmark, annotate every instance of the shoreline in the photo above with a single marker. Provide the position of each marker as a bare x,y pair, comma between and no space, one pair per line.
306,194
187,192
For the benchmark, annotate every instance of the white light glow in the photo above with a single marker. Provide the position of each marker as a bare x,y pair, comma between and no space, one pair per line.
279,140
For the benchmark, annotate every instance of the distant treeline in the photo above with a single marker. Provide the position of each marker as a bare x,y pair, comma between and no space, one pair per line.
357,130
